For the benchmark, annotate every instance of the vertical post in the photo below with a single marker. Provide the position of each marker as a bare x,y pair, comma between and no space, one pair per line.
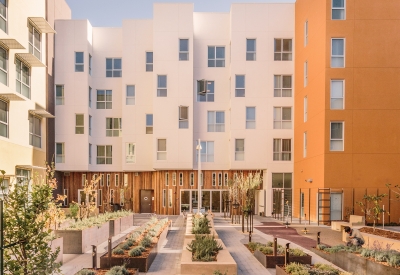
275,246
109,252
287,254
94,257
383,220
309,210
199,198
318,238
300,208
1,239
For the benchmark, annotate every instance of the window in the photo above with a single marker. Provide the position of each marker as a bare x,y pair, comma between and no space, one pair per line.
5,184
305,33
239,149
216,56
183,49
338,9
65,193
161,149
174,179
79,62
239,86
219,179
336,142
164,198
90,153
116,182
23,78
104,154
113,67
111,196
104,99
161,85
304,144
250,49
25,175
206,152
250,117
35,136
3,61
215,121
305,74
59,94
90,64
113,127
192,179
183,117
125,180
180,179
337,94
90,97
108,180
201,179
130,95
170,198
305,106
149,123
226,179
282,149
102,180
83,179
60,153
90,125
3,119
79,124
3,15
214,179
166,178
100,197
203,94
34,41
282,117
283,49
337,57
149,61
130,153
282,86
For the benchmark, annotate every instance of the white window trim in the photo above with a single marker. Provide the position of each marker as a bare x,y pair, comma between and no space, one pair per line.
336,8
238,153
330,136
238,88
281,51
248,121
7,118
32,43
79,126
252,52
305,73
112,70
62,155
113,131
183,122
83,179
181,179
161,155
304,144
130,99
161,89
214,179
174,179
207,156
130,158
116,180
219,179
191,179
90,64
166,179
148,63
339,56
305,33
215,59
281,121
305,108
79,64
281,152
183,52
221,126
281,88
343,92
59,99
105,101
105,155
108,180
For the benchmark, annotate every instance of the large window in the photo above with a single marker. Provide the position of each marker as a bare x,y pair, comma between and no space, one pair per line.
130,95
338,9
239,149
113,67
240,86
215,121
34,41
130,153
337,94
250,117
104,154
206,152
162,86
35,131
149,61
183,117
282,193
59,94
205,91
3,15
149,123
282,117
336,136
282,149
183,49
283,49
113,127
161,149
60,153
337,56
216,56
282,86
250,49
23,79
79,124
79,62
3,119
104,99
3,63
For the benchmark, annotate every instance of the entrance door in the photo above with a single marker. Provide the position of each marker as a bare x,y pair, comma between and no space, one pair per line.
146,201
336,206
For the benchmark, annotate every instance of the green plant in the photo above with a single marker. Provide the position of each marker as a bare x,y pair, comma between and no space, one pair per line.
204,248
321,247
126,246
253,245
136,251
86,272
327,269
266,250
296,269
217,272
297,252
146,242
141,248
200,225
394,260
382,256
118,251
73,210
118,270
271,244
371,206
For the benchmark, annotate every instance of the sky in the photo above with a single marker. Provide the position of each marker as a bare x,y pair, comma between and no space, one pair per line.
101,13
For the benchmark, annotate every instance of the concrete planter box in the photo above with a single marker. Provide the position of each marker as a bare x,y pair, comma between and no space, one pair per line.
80,241
356,264
189,227
115,227
119,225
224,262
132,271
127,222
57,243
270,261
280,270
371,240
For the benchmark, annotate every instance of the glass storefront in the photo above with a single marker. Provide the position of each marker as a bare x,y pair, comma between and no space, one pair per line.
211,199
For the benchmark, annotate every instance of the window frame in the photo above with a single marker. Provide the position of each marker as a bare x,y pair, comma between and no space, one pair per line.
107,103
20,84
130,147
161,90
281,52
209,95
107,157
305,108
130,99
213,179
183,122
33,136
90,97
79,127
226,179
215,126
338,8
337,98
183,55
79,65
219,178
5,18
343,57
116,180
191,179
60,158
5,70
238,152
149,65
166,179
113,131
180,179
305,144
90,125
252,53
336,139
90,64
305,33
279,155
240,91
7,118
113,72
90,153
205,154
215,60
149,127
281,122
279,89
249,120
305,73
161,154
33,49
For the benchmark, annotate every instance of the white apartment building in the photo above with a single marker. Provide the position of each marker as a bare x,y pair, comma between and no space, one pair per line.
131,105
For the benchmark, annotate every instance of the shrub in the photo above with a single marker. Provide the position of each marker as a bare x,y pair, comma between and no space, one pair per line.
267,250
366,253
297,252
86,272
118,270
296,269
382,256
204,248
126,246
321,247
253,246
200,225
271,244
217,272
146,242
136,251
326,269
394,260
118,251
141,248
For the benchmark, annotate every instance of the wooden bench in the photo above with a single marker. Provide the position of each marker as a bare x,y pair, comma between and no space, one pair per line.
354,221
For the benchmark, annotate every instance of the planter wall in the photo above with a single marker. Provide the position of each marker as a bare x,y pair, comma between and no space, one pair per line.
115,227
189,227
57,243
280,270
119,225
356,264
224,263
127,222
270,261
372,240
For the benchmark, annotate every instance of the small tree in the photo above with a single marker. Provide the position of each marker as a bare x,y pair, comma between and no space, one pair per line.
371,207
28,211
395,189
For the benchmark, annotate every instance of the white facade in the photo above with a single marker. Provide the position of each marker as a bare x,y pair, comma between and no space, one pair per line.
261,23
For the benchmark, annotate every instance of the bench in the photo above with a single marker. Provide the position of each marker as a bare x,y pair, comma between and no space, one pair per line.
354,220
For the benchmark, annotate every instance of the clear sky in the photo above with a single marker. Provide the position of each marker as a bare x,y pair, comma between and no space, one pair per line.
110,13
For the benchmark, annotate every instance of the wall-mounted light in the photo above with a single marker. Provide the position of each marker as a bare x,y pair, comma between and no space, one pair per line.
308,180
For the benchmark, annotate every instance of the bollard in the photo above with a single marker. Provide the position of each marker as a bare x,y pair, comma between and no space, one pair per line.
287,254
109,252
94,257
249,236
318,238
275,246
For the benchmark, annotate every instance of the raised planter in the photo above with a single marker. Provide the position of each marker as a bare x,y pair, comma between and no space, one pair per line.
372,241
280,270
270,261
224,262
57,243
127,222
354,263
189,227
132,271
119,225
